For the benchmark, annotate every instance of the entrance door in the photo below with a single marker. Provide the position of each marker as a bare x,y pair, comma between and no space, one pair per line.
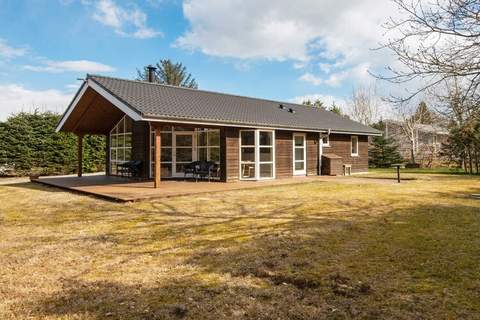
299,154
184,151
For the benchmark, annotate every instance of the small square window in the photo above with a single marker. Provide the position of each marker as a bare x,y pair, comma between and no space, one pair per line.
326,141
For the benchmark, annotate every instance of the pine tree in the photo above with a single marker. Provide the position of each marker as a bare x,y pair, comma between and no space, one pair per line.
316,104
383,152
168,72
335,109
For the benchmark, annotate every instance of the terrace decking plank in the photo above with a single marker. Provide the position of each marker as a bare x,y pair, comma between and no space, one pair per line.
125,190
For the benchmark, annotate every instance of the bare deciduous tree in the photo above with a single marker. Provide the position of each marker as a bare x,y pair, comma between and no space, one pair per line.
364,105
411,118
435,40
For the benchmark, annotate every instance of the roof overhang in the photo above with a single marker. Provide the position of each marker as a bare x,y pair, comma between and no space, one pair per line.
94,110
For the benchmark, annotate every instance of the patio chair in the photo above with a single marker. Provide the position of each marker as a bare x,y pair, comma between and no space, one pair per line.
130,168
123,168
190,169
204,170
135,168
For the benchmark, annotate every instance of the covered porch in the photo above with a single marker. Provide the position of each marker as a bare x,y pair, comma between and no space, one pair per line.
127,190
161,148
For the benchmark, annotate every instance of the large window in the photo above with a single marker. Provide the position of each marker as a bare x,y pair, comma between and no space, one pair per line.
208,145
182,145
354,144
120,143
265,144
247,154
166,152
256,154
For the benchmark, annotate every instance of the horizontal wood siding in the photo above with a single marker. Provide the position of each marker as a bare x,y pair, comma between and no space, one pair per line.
312,153
340,144
223,154
283,154
141,145
232,154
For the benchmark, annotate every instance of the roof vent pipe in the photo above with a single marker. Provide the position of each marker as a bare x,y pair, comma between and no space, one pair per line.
151,73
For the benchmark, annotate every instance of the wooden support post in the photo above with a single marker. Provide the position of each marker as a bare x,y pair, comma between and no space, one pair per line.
398,174
158,150
80,155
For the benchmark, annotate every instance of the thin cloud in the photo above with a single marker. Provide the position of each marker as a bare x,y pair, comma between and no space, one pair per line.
15,98
85,66
8,52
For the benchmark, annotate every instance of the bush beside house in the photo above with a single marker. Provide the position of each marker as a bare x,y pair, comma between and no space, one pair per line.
29,145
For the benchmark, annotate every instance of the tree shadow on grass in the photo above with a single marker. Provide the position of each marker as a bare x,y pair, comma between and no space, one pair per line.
32,186
413,263
181,298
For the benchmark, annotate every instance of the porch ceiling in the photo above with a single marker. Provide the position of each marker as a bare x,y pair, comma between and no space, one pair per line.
92,115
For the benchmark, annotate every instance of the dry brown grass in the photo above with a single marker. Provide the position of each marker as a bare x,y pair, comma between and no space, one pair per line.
314,251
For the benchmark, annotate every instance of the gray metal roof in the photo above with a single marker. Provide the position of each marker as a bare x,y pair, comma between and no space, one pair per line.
157,101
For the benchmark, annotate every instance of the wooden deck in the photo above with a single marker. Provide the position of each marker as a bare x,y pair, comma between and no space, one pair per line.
124,190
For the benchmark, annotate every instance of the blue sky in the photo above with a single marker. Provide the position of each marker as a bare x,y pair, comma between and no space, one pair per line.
319,48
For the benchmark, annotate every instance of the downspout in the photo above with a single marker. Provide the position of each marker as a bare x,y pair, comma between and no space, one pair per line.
320,151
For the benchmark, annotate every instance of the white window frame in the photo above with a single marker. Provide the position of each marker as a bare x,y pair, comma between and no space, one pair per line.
257,161
195,149
354,154
124,148
327,144
304,171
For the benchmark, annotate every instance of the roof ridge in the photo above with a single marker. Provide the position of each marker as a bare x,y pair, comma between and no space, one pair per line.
209,91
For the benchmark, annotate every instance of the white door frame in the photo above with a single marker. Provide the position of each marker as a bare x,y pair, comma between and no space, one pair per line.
304,171
174,150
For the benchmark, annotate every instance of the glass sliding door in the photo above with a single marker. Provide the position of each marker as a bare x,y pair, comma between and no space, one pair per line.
184,152
247,155
166,162
182,145
257,154
299,154
265,144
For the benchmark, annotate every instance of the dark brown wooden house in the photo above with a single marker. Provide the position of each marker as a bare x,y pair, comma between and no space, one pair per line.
167,127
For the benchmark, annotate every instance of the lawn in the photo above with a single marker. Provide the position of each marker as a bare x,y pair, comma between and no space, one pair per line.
362,248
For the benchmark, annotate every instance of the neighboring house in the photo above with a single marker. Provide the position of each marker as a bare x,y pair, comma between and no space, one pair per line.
427,144
249,138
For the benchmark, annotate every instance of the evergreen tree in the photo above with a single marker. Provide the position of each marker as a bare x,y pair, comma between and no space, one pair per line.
383,152
168,72
423,114
316,104
336,109
28,142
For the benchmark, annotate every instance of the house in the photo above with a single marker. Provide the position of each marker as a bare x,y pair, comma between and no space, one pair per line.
427,145
168,127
